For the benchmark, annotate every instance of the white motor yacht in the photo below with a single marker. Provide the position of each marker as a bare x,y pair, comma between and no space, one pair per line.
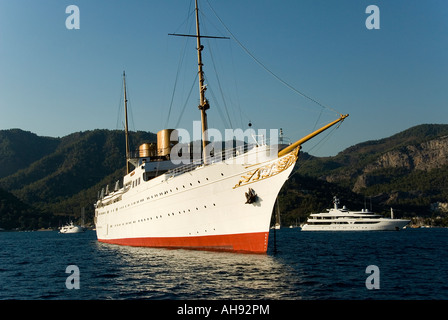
342,219
71,228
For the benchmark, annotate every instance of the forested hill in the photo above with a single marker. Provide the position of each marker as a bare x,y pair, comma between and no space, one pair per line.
19,149
62,175
44,180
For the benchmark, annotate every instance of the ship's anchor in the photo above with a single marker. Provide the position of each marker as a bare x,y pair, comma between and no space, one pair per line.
251,196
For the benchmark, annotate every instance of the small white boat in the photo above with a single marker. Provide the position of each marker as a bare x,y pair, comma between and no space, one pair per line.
337,219
71,228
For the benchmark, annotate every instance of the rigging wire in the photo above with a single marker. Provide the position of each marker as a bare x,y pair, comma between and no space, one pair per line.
220,88
121,110
327,136
267,69
186,101
318,118
129,106
218,107
236,87
324,139
227,100
181,60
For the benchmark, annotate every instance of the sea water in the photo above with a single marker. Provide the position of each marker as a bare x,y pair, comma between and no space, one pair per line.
408,264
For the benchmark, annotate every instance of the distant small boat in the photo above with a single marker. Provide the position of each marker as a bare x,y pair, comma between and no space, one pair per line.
71,228
337,219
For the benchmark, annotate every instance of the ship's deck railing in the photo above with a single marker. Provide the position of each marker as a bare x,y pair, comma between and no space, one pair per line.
216,157
222,156
183,169
228,154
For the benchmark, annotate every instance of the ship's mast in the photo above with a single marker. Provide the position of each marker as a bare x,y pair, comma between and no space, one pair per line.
128,155
203,104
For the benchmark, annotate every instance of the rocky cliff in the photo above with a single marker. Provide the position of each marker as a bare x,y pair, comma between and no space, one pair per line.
425,156
408,170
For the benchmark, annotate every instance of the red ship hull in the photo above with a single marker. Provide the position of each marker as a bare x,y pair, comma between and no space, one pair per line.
246,242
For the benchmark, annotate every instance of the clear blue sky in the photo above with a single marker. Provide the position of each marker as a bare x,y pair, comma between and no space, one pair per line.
55,81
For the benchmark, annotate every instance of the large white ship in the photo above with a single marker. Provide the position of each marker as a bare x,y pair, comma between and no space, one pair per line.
222,202
342,219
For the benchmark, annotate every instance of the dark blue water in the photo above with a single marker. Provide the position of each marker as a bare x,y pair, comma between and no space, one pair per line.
413,264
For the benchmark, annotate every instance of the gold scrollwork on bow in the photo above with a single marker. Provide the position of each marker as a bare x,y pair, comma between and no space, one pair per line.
269,170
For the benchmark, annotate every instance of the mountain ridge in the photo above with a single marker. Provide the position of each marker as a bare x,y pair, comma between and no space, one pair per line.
408,170
57,181
59,176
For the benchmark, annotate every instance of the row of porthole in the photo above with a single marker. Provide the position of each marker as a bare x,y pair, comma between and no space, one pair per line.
158,194
157,217
171,190
197,232
177,189
122,207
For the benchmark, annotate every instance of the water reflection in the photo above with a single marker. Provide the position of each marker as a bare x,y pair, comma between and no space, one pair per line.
135,272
